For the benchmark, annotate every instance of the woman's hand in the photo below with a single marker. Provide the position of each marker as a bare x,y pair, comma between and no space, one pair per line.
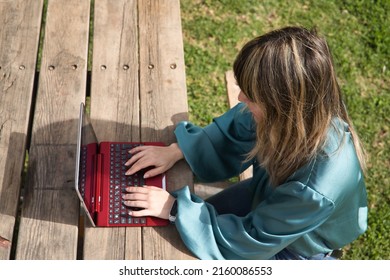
160,158
5,243
154,201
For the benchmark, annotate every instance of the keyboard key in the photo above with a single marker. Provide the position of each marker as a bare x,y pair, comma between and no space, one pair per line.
119,155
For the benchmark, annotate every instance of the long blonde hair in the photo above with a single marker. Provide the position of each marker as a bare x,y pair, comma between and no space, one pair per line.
289,73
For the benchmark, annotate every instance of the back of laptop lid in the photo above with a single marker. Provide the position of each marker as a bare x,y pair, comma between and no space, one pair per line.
86,148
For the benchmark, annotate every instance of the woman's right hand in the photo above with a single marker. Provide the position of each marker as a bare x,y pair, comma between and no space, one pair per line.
159,158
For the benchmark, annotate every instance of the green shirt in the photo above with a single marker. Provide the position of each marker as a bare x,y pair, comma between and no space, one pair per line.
319,208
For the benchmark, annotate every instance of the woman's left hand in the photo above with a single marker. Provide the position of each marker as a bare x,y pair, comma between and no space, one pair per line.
153,201
160,159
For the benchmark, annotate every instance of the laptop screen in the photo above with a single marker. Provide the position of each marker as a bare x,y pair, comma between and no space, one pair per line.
87,144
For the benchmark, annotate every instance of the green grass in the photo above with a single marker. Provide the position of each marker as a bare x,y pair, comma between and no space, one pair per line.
358,34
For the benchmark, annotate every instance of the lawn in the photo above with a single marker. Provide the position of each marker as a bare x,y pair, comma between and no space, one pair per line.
358,34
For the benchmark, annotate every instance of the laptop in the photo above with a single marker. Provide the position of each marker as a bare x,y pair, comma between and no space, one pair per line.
100,179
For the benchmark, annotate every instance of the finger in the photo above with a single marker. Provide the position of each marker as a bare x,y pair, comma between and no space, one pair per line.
152,188
136,203
132,189
139,213
138,154
134,157
140,164
132,170
135,196
139,149
5,243
136,167
153,172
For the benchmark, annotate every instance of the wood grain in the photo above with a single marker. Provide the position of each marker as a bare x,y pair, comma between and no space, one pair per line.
19,36
50,213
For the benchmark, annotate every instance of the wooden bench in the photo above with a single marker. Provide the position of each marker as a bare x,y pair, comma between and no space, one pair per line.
137,92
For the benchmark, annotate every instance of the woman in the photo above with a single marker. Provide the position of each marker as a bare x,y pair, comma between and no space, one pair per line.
307,196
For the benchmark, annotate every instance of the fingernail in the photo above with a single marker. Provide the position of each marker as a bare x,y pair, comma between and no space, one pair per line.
146,176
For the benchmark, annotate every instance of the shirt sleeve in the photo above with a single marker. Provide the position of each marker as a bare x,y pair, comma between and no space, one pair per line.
218,151
274,224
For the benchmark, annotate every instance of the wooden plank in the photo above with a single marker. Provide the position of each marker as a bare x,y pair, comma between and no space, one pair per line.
233,90
19,36
49,220
163,103
48,228
115,109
